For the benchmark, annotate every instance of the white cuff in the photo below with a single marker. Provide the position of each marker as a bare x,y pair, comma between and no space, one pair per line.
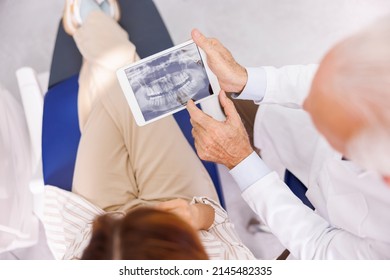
256,85
249,171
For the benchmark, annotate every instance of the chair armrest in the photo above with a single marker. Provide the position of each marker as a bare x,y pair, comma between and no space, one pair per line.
32,100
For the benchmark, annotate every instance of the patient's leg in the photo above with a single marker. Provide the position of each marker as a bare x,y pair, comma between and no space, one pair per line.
120,165
105,47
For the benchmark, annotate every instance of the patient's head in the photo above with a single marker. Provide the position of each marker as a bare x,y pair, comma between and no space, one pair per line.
349,100
144,234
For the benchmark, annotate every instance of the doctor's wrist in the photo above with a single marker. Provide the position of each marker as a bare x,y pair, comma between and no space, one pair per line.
241,79
239,158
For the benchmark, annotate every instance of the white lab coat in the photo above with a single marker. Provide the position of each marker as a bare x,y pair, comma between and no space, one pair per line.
352,216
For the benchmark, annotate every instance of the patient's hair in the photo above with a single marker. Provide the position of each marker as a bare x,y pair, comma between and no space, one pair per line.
144,234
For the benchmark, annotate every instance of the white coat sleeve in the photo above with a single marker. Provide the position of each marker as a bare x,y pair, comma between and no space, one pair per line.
304,233
287,86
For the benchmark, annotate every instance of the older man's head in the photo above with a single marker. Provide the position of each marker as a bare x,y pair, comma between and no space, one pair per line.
349,100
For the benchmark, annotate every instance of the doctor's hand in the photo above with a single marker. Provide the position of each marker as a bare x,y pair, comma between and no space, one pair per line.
199,216
224,142
232,77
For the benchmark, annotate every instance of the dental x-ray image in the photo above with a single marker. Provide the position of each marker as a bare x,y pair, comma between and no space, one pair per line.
167,82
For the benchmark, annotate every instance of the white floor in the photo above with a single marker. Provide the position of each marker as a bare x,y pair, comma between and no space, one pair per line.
258,32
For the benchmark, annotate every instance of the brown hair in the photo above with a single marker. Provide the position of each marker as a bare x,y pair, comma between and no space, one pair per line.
144,234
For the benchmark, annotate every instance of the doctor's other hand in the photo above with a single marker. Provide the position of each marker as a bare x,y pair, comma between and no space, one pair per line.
224,142
232,77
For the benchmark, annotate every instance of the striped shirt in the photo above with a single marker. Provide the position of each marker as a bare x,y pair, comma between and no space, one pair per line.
68,222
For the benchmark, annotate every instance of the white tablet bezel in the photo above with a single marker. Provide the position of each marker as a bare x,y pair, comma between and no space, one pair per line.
131,99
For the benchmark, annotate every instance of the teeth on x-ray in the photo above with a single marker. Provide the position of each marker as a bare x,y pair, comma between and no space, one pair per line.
168,82
167,85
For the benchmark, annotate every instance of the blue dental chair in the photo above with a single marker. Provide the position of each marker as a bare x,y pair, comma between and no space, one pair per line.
60,131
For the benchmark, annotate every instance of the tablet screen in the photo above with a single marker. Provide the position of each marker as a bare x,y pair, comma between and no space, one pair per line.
165,83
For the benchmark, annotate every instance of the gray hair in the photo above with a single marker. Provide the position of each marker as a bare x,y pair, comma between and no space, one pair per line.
362,76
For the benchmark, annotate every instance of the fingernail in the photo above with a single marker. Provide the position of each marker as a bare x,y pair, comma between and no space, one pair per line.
196,33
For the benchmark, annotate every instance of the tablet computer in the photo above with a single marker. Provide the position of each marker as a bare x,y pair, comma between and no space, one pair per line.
162,84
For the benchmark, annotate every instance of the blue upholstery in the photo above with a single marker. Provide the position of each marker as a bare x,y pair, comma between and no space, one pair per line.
297,187
60,133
